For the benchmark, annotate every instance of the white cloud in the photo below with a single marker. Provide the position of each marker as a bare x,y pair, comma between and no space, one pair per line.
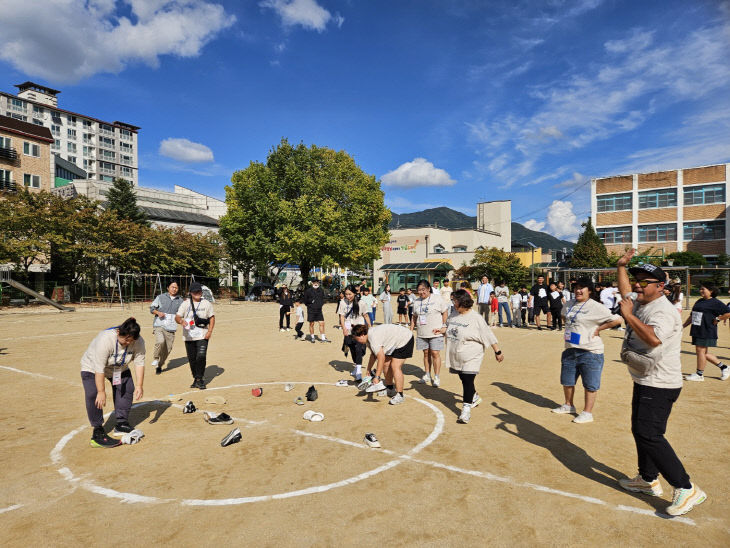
305,13
419,172
186,151
576,181
532,224
561,220
67,40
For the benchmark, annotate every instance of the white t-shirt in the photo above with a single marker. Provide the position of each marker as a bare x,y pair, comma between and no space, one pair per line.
502,293
367,302
468,337
349,316
515,301
105,351
428,315
388,336
581,320
203,309
608,296
436,290
678,304
300,314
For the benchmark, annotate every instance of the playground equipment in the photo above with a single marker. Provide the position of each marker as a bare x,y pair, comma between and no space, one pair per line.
6,278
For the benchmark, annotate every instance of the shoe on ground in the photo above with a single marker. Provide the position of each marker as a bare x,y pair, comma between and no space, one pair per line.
583,417
377,387
564,409
217,418
100,439
436,381
281,329
426,378
397,400
465,414
683,500
122,428
189,407
476,400
725,374
158,370
695,377
638,485
234,436
372,441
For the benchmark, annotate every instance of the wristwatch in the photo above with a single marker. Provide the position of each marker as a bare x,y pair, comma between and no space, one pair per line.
498,353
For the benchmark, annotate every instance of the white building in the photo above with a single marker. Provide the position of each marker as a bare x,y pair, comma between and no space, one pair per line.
104,150
431,252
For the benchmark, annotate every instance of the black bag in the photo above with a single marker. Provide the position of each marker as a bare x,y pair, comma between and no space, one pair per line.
312,393
199,322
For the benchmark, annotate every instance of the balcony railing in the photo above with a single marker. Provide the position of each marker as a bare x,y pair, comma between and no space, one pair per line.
7,185
9,154
17,108
107,171
106,133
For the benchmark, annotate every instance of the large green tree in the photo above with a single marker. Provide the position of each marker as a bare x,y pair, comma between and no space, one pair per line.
499,265
305,205
687,258
122,200
589,251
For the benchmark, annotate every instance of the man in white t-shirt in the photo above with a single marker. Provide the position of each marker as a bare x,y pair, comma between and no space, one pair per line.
651,350
436,287
608,296
485,289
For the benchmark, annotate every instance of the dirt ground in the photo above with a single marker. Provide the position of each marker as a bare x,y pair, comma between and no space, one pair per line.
515,475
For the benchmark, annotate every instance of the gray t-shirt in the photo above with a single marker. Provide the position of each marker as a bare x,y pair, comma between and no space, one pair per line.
581,321
388,336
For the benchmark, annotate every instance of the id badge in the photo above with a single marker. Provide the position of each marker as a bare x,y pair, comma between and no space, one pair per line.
117,377
696,318
572,337
348,325
421,320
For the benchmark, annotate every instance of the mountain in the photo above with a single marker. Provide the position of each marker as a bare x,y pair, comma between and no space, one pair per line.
448,218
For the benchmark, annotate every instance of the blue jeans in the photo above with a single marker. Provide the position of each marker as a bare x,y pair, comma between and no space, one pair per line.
507,313
372,317
576,363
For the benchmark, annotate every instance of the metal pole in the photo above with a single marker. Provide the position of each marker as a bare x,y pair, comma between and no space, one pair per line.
532,266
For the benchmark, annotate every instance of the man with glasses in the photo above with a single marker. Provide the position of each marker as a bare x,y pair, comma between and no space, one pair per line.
651,351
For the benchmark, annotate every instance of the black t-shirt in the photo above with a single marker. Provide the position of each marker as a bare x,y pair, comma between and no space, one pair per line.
703,313
540,294
402,301
523,300
555,299
314,298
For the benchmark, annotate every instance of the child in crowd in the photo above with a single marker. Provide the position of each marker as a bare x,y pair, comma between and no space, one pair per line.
402,301
555,302
525,298
299,311
411,300
493,307
515,302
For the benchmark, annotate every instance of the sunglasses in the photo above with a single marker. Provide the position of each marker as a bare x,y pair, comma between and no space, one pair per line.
644,283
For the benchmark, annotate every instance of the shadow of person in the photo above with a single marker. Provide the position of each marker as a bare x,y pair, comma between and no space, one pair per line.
2,352
140,412
526,396
574,458
211,372
341,366
428,392
175,363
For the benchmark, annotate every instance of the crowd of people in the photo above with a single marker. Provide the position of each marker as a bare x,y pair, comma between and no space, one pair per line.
439,317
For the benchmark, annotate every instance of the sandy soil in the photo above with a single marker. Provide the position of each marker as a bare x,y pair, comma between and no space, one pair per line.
515,475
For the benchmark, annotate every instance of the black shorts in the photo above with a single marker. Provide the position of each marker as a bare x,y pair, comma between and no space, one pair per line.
404,352
315,315
544,308
402,310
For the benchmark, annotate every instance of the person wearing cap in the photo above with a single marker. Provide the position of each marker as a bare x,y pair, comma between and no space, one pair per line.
651,350
198,320
585,318
164,308
314,301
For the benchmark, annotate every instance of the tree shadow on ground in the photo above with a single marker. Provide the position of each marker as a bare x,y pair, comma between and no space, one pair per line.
526,396
574,458
211,372
139,413
174,364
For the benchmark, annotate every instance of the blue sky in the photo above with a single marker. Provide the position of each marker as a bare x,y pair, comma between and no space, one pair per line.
448,103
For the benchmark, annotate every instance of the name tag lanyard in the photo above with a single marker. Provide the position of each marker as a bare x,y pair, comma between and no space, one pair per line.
571,321
117,374
422,313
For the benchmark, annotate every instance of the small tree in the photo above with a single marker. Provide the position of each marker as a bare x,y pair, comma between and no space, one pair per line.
122,200
501,266
589,251
687,258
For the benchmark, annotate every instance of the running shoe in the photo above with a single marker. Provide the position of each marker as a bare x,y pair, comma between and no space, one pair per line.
201,384
436,381
189,408
476,400
695,377
217,418
122,428
158,370
683,500
583,417
100,439
426,378
465,414
372,441
564,409
638,485
377,387
397,400
234,436
365,383
725,373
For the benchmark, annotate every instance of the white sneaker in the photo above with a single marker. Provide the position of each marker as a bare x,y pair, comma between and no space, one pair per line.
377,387
583,417
155,363
476,400
683,500
281,329
397,399
695,377
426,378
436,381
564,409
465,414
638,485
725,374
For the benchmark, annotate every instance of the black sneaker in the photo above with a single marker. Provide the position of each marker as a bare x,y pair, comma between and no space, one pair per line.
201,384
100,439
122,428
372,441
220,418
234,436
189,408
195,384
158,370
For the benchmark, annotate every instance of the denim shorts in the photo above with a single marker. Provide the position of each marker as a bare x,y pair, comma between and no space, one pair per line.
431,343
581,363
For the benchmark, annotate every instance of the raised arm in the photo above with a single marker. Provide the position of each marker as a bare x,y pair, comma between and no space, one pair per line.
624,285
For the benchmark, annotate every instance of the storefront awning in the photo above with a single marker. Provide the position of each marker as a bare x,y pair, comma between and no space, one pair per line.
418,267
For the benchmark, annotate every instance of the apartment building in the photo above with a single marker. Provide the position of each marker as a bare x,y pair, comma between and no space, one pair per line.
25,153
104,150
668,211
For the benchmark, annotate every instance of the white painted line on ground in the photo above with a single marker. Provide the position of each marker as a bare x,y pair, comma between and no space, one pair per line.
10,508
49,335
37,375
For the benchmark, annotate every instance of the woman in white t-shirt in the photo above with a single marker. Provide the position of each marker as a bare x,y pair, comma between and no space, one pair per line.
390,346
198,320
468,337
429,313
384,299
351,313
585,318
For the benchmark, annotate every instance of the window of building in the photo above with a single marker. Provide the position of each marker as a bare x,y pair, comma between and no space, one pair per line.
71,119
126,171
107,178
72,159
108,155
704,194
38,111
658,233
666,197
17,105
29,149
126,147
56,117
33,181
459,249
71,133
126,159
88,138
87,124
37,122
125,134
6,176
56,144
88,164
438,248
613,202
18,116
615,234
70,147
5,142
704,230
56,130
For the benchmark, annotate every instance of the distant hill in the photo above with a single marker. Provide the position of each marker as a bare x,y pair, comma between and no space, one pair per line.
448,218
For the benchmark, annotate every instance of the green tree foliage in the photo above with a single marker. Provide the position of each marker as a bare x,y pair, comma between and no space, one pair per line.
499,266
687,258
306,205
589,251
122,200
